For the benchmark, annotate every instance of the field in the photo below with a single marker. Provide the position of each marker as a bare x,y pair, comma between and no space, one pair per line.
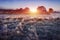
29,28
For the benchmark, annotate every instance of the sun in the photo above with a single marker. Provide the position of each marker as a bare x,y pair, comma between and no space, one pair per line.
33,10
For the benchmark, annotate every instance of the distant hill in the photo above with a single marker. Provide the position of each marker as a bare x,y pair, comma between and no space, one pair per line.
56,11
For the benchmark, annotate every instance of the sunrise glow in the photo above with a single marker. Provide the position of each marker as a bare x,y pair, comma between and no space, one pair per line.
33,10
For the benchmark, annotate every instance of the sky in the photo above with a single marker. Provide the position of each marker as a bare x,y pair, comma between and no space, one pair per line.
13,4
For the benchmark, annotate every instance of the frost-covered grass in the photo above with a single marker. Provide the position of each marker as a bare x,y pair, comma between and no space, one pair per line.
29,29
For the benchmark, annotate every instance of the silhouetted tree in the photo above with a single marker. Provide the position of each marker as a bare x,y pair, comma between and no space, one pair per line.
51,10
41,10
26,10
20,11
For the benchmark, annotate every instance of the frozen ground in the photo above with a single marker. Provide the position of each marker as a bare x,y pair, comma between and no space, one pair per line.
20,28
